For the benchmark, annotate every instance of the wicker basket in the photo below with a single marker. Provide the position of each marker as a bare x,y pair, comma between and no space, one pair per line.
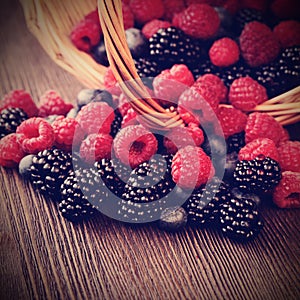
51,21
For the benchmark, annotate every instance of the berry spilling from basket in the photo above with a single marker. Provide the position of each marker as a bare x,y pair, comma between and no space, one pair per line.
211,63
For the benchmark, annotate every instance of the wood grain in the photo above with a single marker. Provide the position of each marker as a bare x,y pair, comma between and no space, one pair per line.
44,257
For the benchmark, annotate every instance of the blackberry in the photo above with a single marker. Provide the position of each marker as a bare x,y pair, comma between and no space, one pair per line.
148,182
116,124
261,174
235,142
48,170
239,219
173,219
10,119
246,15
169,46
114,174
76,190
146,67
203,205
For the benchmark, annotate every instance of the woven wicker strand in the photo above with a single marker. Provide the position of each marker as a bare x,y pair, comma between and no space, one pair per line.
123,68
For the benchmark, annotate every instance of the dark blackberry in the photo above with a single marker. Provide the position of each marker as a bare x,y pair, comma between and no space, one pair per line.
261,174
240,194
235,142
239,219
146,67
173,219
202,206
203,66
116,124
148,182
76,191
10,119
48,170
169,46
244,16
114,174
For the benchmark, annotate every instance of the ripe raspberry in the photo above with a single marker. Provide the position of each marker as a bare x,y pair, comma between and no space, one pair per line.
262,125
146,10
53,104
231,120
288,33
255,4
20,99
95,117
198,21
224,52
124,104
257,147
287,192
93,16
35,135
67,133
172,7
171,83
86,34
217,85
130,118
11,152
95,147
286,9
110,83
245,93
134,144
259,45
180,137
232,6
289,156
128,18
191,167
153,26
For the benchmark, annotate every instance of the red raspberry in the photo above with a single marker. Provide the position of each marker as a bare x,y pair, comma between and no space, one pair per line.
95,147
259,146
181,137
134,144
198,21
86,34
20,99
259,45
255,4
124,104
153,26
93,16
53,104
130,118
35,135
217,85
172,7
67,133
224,52
171,83
231,120
289,156
188,115
288,33
245,93
128,18
232,6
96,117
287,192
191,167
110,83
284,136
286,9
262,125
11,152
146,10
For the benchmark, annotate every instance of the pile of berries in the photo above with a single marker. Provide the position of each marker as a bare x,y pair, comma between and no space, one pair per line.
98,155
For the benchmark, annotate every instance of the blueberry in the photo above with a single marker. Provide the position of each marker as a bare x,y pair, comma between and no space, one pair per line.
173,219
137,42
230,164
99,54
226,25
214,145
86,96
24,166
73,112
50,119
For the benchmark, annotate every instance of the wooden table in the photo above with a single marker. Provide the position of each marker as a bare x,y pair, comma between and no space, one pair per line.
44,256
